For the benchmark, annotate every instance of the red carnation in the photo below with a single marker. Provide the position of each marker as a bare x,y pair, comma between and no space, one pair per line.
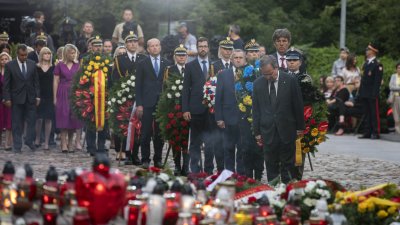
154,169
207,182
235,175
175,132
172,122
179,115
178,107
312,122
306,130
241,178
251,200
184,131
170,115
251,181
177,138
177,148
239,184
184,124
185,143
171,142
168,126
323,126
214,177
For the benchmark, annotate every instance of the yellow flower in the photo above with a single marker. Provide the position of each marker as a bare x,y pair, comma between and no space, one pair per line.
314,132
362,207
361,198
250,119
247,100
106,61
392,210
98,58
306,150
342,202
96,66
320,140
105,69
87,72
102,64
323,133
91,63
242,108
89,68
371,206
382,214
339,195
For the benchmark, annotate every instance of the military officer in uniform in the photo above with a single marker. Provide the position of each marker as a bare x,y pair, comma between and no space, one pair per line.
369,91
224,52
125,65
4,37
180,57
252,49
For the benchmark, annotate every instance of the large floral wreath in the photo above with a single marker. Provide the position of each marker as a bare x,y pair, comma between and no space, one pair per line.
315,113
169,114
89,95
209,91
120,105
244,88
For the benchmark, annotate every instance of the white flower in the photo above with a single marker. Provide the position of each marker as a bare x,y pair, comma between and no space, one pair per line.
309,202
177,94
123,99
109,103
164,177
133,84
113,99
180,87
177,81
132,78
321,183
310,186
130,96
169,95
111,110
129,82
119,102
127,89
173,87
119,94
123,85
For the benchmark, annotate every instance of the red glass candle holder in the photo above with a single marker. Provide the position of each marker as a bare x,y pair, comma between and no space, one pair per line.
50,212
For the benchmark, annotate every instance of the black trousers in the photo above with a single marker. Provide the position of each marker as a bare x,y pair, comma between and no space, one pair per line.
371,111
280,159
336,109
178,155
94,147
120,145
20,113
253,155
214,147
150,131
231,141
199,134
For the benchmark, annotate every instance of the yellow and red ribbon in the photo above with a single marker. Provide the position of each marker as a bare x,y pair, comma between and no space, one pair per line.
99,99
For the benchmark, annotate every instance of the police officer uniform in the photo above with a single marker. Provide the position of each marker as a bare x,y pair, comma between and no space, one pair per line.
221,64
372,72
4,37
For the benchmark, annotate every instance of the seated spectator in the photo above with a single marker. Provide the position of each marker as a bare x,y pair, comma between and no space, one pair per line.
329,87
350,72
322,86
336,105
354,107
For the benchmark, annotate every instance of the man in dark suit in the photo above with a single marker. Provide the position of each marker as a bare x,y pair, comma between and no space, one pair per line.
196,74
180,57
369,92
277,118
227,114
125,65
149,81
281,39
21,92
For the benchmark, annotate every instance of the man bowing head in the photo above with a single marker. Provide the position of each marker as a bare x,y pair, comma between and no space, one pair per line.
277,118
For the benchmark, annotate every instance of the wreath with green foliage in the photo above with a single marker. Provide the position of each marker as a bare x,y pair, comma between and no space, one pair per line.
169,114
120,104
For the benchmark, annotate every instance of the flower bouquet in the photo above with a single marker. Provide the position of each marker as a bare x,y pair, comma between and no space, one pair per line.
120,104
209,93
376,205
173,126
244,89
89,95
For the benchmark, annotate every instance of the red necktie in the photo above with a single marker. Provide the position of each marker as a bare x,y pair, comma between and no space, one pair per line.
283,63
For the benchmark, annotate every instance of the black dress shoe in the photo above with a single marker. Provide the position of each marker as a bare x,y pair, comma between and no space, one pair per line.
364,136
158,164
374,136
128,162
177,172
137,162
145,165
32,147
184,172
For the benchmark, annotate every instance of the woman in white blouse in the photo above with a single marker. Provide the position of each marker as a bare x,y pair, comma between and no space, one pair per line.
350,72
394,98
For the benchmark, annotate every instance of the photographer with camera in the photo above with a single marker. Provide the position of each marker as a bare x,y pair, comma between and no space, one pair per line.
122,30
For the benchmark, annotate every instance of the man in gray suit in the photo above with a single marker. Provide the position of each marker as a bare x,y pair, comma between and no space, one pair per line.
22,93
277,118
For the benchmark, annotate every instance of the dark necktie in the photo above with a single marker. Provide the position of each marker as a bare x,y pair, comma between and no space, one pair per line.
182,71
272,92
133,58
226,65
205,72
283,63
156,66
23,69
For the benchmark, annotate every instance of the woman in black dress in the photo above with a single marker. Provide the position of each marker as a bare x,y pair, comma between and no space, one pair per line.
45,109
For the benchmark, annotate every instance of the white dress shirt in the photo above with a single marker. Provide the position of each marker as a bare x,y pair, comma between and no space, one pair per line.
275,84
130,56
